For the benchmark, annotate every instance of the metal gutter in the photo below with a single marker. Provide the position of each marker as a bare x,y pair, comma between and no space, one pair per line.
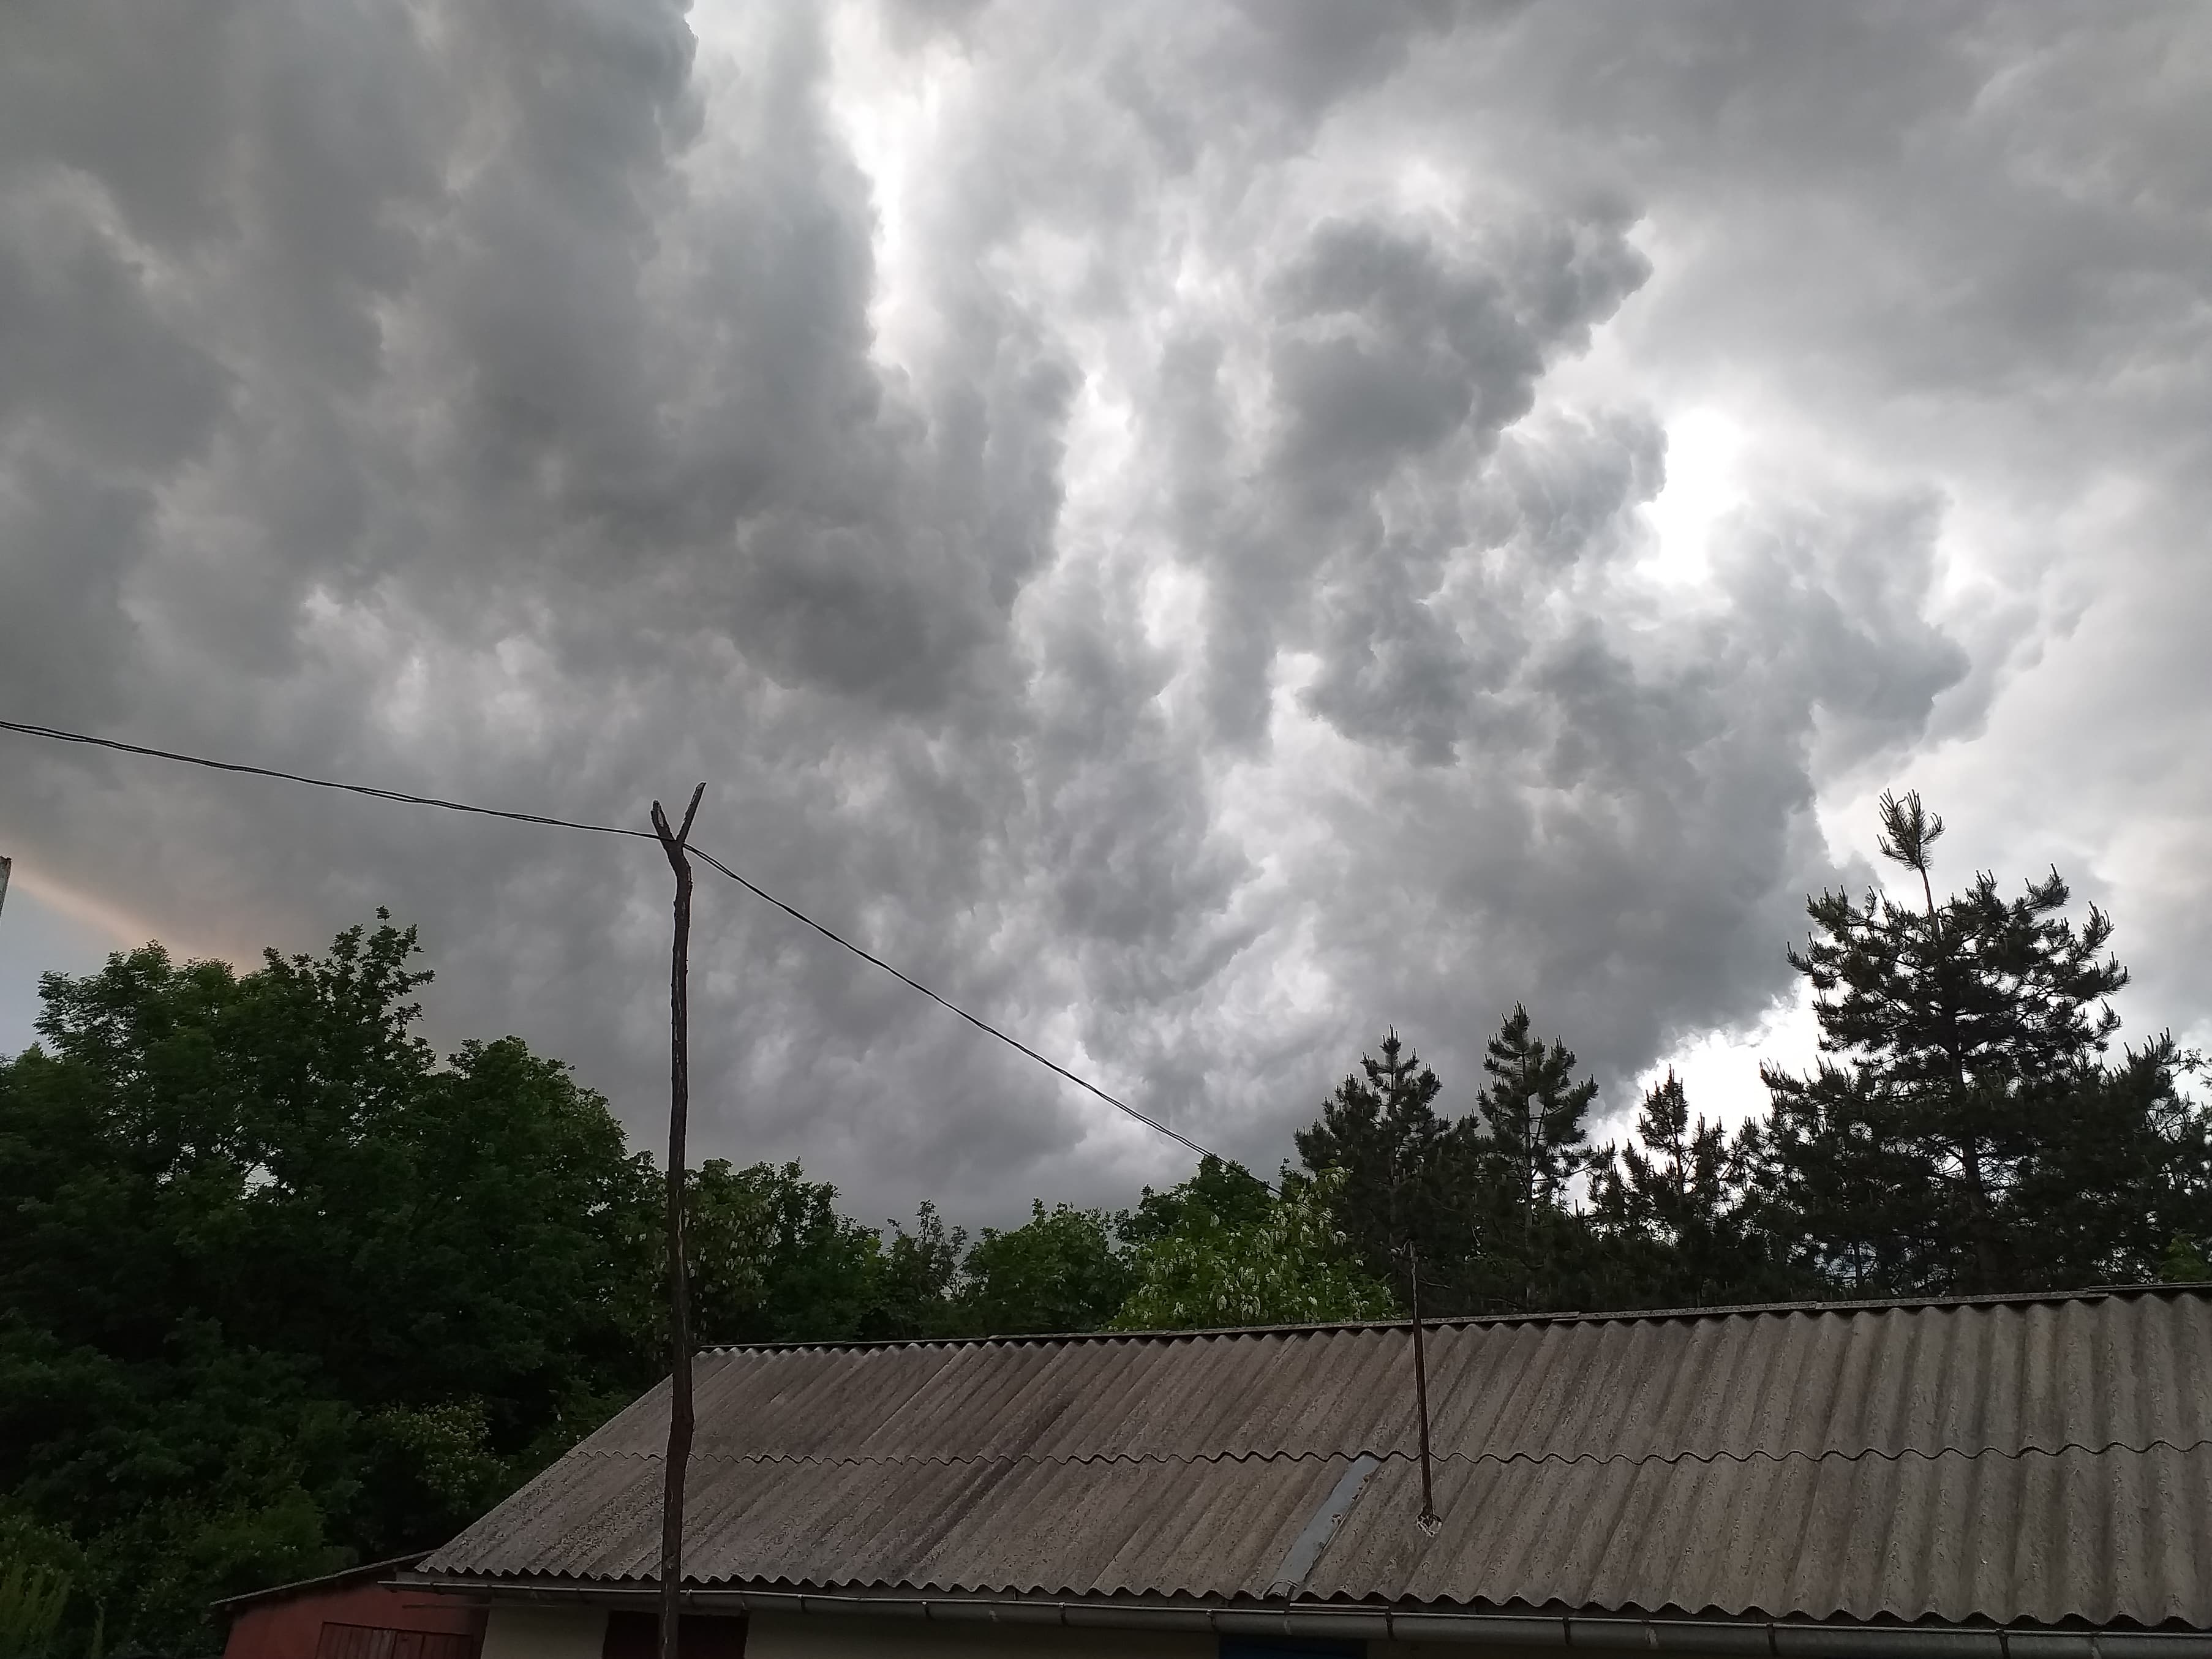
1774,1638
367,1570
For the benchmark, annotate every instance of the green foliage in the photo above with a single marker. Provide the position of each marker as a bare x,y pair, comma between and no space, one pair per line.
1675,1213
2119,1184
1287,1265
772,1259
1401,1173
1220,1194
2183,1261
1061,1271
447,1450
1485,1201
280,1289
1530,1147
1963,1131
31,1602
44,1611
1532,1113
920,1277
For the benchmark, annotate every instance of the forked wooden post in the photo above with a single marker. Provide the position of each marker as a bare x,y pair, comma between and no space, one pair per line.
680,1287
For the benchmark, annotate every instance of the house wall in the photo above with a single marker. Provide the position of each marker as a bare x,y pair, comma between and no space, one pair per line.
580,1633
545,1633
810,1635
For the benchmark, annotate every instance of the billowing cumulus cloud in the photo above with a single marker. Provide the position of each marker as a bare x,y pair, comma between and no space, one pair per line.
1179,525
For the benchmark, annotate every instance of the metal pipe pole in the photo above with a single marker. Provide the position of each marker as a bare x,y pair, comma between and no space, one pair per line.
1429,1519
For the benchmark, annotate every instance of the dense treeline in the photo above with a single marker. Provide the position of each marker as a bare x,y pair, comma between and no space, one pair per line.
1967,1129
280,1289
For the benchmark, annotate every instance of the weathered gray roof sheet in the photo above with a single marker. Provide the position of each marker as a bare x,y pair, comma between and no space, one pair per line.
2039,1461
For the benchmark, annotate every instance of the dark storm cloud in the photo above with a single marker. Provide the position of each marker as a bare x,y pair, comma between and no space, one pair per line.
1389,356
1139,512
1402,395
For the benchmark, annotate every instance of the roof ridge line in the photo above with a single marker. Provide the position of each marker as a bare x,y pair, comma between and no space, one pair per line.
1390,1454
1572,1317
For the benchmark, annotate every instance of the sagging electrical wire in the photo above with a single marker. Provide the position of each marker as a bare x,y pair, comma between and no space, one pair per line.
57,735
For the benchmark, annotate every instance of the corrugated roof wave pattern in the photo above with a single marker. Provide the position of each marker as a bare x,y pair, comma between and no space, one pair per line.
2040,1462
2113,1371
2044,1537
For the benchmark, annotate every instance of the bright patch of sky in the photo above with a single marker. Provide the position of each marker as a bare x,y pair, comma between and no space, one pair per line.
1704,449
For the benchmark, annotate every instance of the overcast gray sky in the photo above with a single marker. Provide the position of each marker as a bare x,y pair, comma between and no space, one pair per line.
1202,530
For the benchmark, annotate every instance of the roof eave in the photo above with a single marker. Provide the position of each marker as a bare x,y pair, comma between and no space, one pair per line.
1777,1639
364,1573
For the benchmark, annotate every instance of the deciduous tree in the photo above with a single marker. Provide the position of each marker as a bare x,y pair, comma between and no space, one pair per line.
1062,1270
278,1287
1288,1265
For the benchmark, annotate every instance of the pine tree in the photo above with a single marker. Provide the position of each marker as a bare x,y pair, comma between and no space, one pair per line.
1674,1209
2119,1190
1408,1174
1532,1144
1962,1074
1841,1188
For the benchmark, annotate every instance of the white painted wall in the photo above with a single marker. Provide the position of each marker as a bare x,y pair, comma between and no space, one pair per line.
811,1636
580,1633
545,1633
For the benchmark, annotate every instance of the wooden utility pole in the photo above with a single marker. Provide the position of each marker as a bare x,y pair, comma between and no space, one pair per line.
680,1287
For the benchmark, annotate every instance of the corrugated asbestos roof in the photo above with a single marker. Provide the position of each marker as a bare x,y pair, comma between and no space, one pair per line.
2034,1460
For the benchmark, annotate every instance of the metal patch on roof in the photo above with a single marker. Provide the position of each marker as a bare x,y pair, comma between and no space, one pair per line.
1290,1576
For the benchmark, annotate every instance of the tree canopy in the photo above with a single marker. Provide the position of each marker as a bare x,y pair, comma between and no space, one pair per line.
280,1289
1277,1259
1673,1211
1964,1130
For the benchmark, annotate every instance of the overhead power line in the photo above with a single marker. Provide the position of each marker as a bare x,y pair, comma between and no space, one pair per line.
57,735
369,789
980,1024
